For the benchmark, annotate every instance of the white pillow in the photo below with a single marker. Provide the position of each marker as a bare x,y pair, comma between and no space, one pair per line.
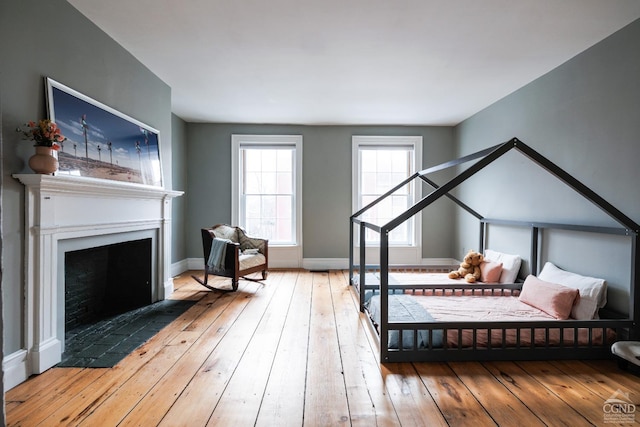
593,291
510,264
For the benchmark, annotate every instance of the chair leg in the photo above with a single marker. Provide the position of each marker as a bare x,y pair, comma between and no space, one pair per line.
202,282
234,283
264,274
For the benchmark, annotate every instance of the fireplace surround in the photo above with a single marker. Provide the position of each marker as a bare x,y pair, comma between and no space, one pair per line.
67,213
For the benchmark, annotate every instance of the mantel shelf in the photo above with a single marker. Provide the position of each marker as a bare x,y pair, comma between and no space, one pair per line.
94,186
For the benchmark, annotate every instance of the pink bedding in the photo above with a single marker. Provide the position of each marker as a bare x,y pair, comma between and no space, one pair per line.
501,308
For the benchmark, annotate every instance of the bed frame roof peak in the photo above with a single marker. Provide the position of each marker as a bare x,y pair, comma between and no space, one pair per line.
484,158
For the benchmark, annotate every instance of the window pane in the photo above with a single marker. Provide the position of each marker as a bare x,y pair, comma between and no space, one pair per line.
284,208
269,160
285,160
252,182
284,231
368,160
382,160
368,183
384,182
284,183
399,162
252,206
268,207
252,160
269,183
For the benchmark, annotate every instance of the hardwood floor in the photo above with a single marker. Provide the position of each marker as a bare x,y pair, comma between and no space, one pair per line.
295,351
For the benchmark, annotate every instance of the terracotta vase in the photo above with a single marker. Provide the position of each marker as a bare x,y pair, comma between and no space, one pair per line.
43,161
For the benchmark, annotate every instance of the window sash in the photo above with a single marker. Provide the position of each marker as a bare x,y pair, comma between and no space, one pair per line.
387,175
267,205
267,194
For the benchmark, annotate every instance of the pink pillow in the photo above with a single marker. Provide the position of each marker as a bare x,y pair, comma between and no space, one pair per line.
553,299
490,271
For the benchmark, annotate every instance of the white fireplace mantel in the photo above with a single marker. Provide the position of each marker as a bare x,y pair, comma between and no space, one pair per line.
62,208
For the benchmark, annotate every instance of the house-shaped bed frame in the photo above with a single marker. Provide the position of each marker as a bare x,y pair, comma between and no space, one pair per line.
625,327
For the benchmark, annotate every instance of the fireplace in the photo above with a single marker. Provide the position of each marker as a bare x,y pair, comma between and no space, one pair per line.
104,281
65,214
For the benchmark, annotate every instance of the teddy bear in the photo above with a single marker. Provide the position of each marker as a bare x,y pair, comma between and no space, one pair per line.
469,267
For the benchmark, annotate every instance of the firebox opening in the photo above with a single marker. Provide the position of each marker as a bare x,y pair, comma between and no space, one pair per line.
107,280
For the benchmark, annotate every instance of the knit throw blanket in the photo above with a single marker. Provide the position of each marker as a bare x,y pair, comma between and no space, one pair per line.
217,254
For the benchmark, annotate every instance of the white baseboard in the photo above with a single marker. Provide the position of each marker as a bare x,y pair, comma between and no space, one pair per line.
198,264
307,264
15,369
194,264
343,263
180,267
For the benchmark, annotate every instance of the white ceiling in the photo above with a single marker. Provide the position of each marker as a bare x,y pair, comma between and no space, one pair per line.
403,62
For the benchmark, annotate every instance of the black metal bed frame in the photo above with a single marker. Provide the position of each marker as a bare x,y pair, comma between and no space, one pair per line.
626,326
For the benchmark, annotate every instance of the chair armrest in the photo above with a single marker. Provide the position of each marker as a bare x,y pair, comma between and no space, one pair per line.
249,242
231,256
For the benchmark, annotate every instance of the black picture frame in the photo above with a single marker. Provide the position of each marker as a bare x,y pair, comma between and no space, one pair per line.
102,142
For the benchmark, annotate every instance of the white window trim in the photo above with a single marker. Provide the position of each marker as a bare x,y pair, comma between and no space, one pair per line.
280,256
403,254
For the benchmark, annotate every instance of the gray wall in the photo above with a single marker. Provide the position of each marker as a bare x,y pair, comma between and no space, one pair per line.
584,116
51,38
326,182
179,176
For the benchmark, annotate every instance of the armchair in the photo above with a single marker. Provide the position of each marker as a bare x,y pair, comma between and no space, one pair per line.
229,252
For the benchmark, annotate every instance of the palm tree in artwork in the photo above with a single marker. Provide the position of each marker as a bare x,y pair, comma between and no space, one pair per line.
138,150
85,127
99,153
110,148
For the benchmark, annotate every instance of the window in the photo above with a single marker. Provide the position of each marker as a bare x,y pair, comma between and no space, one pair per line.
266,187
379,164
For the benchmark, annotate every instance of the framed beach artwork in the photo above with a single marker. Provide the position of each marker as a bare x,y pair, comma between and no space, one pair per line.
102,142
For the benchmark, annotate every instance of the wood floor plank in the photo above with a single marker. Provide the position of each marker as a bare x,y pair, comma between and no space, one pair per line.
25,415
283,399
198,358
573,392
618,376
601,381
240,403
457,404
116,406
412,401
325,394
503,407
539,399
34,395
369,403
47,381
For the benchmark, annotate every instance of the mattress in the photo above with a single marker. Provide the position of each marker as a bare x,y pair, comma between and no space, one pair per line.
489,309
